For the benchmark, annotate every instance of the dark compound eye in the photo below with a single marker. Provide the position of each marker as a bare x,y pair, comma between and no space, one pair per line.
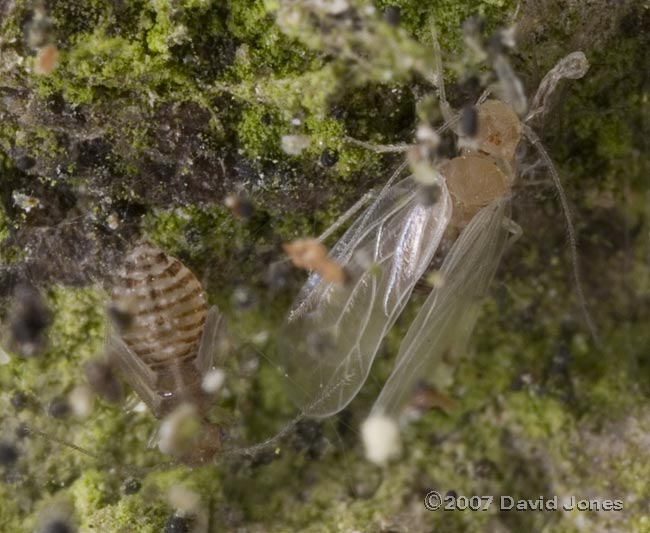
469,121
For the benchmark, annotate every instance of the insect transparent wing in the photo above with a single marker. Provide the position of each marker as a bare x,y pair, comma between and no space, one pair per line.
214,346
333,331
138,375
445,322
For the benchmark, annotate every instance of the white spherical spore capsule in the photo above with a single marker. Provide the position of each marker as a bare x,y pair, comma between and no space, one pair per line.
381,439
179,429
213,380
294,144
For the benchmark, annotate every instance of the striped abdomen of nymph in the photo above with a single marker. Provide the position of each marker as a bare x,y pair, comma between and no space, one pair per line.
167,339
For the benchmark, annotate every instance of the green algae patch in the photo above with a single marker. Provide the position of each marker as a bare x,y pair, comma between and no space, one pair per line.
265,48
75,336
537,418
91,492
99,66
12,516
4,226
145,514
448,16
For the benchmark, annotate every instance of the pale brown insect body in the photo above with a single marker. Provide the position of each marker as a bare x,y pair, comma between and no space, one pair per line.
486,171
171,340
479,182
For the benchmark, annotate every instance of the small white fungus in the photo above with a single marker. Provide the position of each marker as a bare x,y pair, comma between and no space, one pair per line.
183,499
294,144
4,357
25,202
381,439
213,380
178,429
81,400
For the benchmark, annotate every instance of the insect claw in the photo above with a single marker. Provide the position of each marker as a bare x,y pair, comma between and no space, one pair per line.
514,229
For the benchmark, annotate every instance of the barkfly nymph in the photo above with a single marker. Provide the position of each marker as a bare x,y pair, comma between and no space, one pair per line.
169,344
333,331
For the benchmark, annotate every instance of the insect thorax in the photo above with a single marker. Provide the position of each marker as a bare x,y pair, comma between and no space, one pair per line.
499,130
474,180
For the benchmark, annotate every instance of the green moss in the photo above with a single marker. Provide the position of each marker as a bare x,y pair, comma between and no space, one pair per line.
99,65
265,49
11,518
4,225
90,493
148,515
256,136
449,16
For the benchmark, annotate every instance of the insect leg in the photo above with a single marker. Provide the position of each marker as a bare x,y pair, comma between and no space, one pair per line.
140,377
370,195
447,112
346,216
573,246
380,148
573,67
514,229
214,343
351,211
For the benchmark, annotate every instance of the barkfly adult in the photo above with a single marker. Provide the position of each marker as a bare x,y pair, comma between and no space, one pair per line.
333,330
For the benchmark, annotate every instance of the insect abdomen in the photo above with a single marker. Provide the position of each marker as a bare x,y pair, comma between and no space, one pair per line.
167,305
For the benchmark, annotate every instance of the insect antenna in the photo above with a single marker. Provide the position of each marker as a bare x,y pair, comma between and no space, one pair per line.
350,212
125,469
380,148
439,82
357,206
573,242
573,66
261,447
